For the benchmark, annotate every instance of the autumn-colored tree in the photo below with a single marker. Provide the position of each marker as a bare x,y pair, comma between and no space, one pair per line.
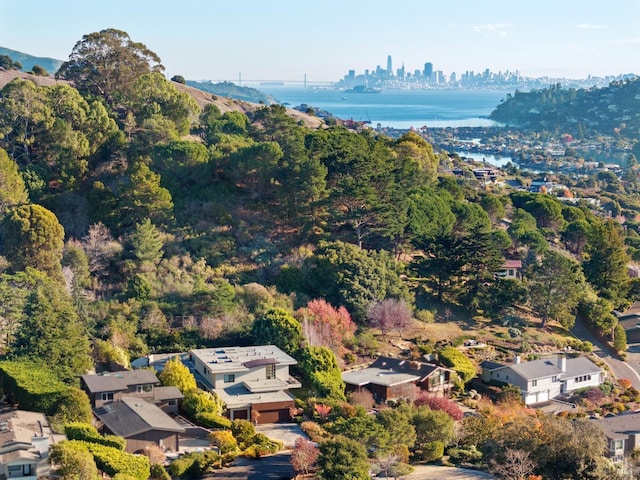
304,455
440,403
326,326
390,314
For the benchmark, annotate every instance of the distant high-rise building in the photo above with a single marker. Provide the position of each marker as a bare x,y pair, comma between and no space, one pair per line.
428,71
389,66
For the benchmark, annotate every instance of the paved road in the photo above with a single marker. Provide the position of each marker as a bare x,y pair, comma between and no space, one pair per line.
272,467
432,472
619,369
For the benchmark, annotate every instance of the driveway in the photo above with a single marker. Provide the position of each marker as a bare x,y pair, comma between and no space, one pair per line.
619,369
431,472
287,433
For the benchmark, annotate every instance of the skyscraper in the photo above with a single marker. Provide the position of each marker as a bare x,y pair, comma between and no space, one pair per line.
389,66
428,71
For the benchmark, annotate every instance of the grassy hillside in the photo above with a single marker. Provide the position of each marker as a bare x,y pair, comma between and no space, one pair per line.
51,65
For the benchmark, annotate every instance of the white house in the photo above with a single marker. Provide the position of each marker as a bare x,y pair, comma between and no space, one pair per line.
547,378
252,381
623,434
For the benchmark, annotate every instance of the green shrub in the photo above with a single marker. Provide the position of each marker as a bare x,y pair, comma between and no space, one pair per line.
88,433
224,440
432,451
194,465
199,401
113,461
158,472
212,420
464,455
455,359
243,431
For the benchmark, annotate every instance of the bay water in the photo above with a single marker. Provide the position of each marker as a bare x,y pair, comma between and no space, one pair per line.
397,108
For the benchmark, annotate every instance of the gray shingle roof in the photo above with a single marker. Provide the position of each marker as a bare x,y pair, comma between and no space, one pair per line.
132,416
118,381
620,426
548,367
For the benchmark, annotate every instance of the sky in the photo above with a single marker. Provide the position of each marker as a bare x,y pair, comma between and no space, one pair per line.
285,39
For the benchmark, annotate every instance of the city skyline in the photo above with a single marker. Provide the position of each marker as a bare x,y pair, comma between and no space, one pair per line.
287,39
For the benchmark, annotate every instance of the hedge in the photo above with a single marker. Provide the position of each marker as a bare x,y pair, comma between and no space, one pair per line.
88,433
455,359
113,461
211,420
33,386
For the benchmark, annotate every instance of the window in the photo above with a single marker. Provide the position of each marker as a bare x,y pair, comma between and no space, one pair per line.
271,371
534,383
107,396
555,379
172,402
229,378
144,388
16,471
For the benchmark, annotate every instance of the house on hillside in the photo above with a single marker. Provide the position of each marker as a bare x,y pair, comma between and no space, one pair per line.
110,387
630,321
253,382
141,423
391,379
510,269
24,445
623,434
545,379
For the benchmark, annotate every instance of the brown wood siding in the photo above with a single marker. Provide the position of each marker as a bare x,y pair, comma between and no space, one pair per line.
274,412
153,437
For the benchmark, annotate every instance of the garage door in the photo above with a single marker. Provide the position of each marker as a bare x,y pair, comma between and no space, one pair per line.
274,416
543,397
239,414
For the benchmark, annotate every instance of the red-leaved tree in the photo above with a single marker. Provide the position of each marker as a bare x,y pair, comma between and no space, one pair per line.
304,455
440,403
326,326
390,314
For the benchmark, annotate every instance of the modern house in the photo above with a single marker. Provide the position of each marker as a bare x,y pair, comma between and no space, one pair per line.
545,379
390,379
111,387
253,382
140,423
510,269
630,321
24,445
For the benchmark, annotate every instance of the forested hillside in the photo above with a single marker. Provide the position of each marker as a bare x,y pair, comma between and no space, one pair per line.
136,221
614,110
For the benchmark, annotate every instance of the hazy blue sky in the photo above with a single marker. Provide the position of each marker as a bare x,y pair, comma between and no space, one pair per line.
270,39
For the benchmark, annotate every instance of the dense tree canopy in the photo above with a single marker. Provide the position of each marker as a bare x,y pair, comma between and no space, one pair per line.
107,63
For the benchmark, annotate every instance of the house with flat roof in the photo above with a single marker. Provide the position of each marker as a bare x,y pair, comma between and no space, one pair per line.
623,434
391,379
253,382
140,423
24,445
545,379
109,387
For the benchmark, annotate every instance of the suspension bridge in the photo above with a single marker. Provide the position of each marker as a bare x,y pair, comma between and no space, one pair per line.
243,79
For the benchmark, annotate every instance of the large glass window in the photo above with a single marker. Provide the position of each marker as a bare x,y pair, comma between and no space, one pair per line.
107,396
271,371
229,378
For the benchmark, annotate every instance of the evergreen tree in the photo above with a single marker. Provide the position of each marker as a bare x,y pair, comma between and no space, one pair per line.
605,264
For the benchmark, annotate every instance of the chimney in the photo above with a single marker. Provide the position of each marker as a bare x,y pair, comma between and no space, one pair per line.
516,359
562,363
